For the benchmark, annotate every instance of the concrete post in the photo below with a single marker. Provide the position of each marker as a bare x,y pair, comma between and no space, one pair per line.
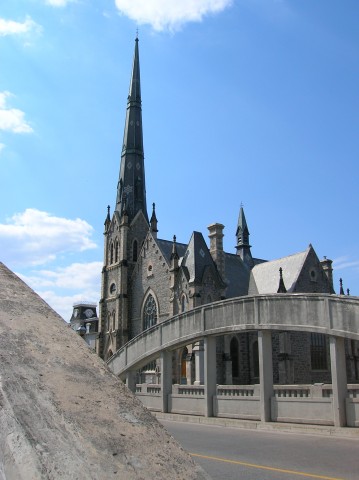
189,368
339,380
166,378
131,380
198,359
210,374
265,373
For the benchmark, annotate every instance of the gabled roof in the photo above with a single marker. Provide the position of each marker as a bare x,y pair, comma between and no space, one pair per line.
166,248
264,278
197,257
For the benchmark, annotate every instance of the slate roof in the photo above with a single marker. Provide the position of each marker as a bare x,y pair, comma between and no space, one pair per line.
166,248
197,257
264,278
237,275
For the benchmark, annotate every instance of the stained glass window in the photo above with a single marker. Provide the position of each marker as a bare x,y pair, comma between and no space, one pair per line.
318,351
149,312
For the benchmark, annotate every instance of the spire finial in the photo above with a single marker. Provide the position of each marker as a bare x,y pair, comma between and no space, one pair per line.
174,254
281,288
153,220
108,218
341,291
348,291
137,34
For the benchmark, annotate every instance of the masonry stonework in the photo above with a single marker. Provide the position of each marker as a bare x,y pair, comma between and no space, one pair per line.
177,277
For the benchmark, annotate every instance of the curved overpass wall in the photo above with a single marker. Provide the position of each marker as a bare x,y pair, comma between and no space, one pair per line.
328,314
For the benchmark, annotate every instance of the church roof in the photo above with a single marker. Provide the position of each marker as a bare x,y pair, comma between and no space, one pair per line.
237,276
166,248
197,257
264,278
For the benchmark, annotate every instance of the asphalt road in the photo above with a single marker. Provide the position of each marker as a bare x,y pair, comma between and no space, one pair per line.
235,453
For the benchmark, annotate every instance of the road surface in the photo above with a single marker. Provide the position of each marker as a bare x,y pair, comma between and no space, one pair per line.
239,454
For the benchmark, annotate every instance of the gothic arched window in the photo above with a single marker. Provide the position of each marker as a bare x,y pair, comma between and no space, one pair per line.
134,251
117,250
183,303
255,358
111,254
149,312
108,322
234,352
318,351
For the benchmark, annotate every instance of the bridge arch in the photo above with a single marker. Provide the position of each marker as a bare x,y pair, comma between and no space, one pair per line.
332,315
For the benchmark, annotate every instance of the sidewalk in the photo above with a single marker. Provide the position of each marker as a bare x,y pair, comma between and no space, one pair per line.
297,428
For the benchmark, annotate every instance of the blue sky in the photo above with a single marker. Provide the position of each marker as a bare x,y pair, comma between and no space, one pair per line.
252,101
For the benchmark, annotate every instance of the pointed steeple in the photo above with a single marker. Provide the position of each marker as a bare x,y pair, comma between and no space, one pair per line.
242,234
131,188
281,287
154,221
108,219
174,255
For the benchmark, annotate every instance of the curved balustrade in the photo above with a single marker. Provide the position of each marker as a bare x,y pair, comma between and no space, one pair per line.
329,314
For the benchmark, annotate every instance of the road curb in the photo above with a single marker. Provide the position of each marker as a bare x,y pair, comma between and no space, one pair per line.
297,428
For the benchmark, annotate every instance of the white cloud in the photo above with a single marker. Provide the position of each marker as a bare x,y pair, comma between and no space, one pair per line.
80,276
79,281
169,14
341,263
34,237
12,119
10,27
58,3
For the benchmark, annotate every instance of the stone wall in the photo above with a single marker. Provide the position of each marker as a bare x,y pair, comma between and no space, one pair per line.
150,275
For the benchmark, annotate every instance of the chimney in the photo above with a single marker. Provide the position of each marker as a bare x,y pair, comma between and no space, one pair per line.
216,246
328,270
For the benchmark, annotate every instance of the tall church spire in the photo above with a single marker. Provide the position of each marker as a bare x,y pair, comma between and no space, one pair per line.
131,188
242,234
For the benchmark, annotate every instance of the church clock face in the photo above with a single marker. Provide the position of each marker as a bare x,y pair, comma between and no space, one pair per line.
88,313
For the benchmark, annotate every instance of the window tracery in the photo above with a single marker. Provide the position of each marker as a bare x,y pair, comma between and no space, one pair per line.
149,312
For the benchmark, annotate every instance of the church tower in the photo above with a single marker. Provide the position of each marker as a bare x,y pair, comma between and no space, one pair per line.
131,190
126,229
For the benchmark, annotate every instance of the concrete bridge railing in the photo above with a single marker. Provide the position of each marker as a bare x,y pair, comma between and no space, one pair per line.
329,314
333,315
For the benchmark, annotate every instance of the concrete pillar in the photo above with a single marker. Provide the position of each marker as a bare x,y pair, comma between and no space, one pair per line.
166,378
199,363
265,373
131,380
210,374
339,380
189,369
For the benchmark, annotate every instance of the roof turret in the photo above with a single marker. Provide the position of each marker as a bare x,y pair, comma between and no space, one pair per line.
242,234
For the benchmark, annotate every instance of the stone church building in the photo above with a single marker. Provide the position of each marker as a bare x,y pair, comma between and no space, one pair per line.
146,280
